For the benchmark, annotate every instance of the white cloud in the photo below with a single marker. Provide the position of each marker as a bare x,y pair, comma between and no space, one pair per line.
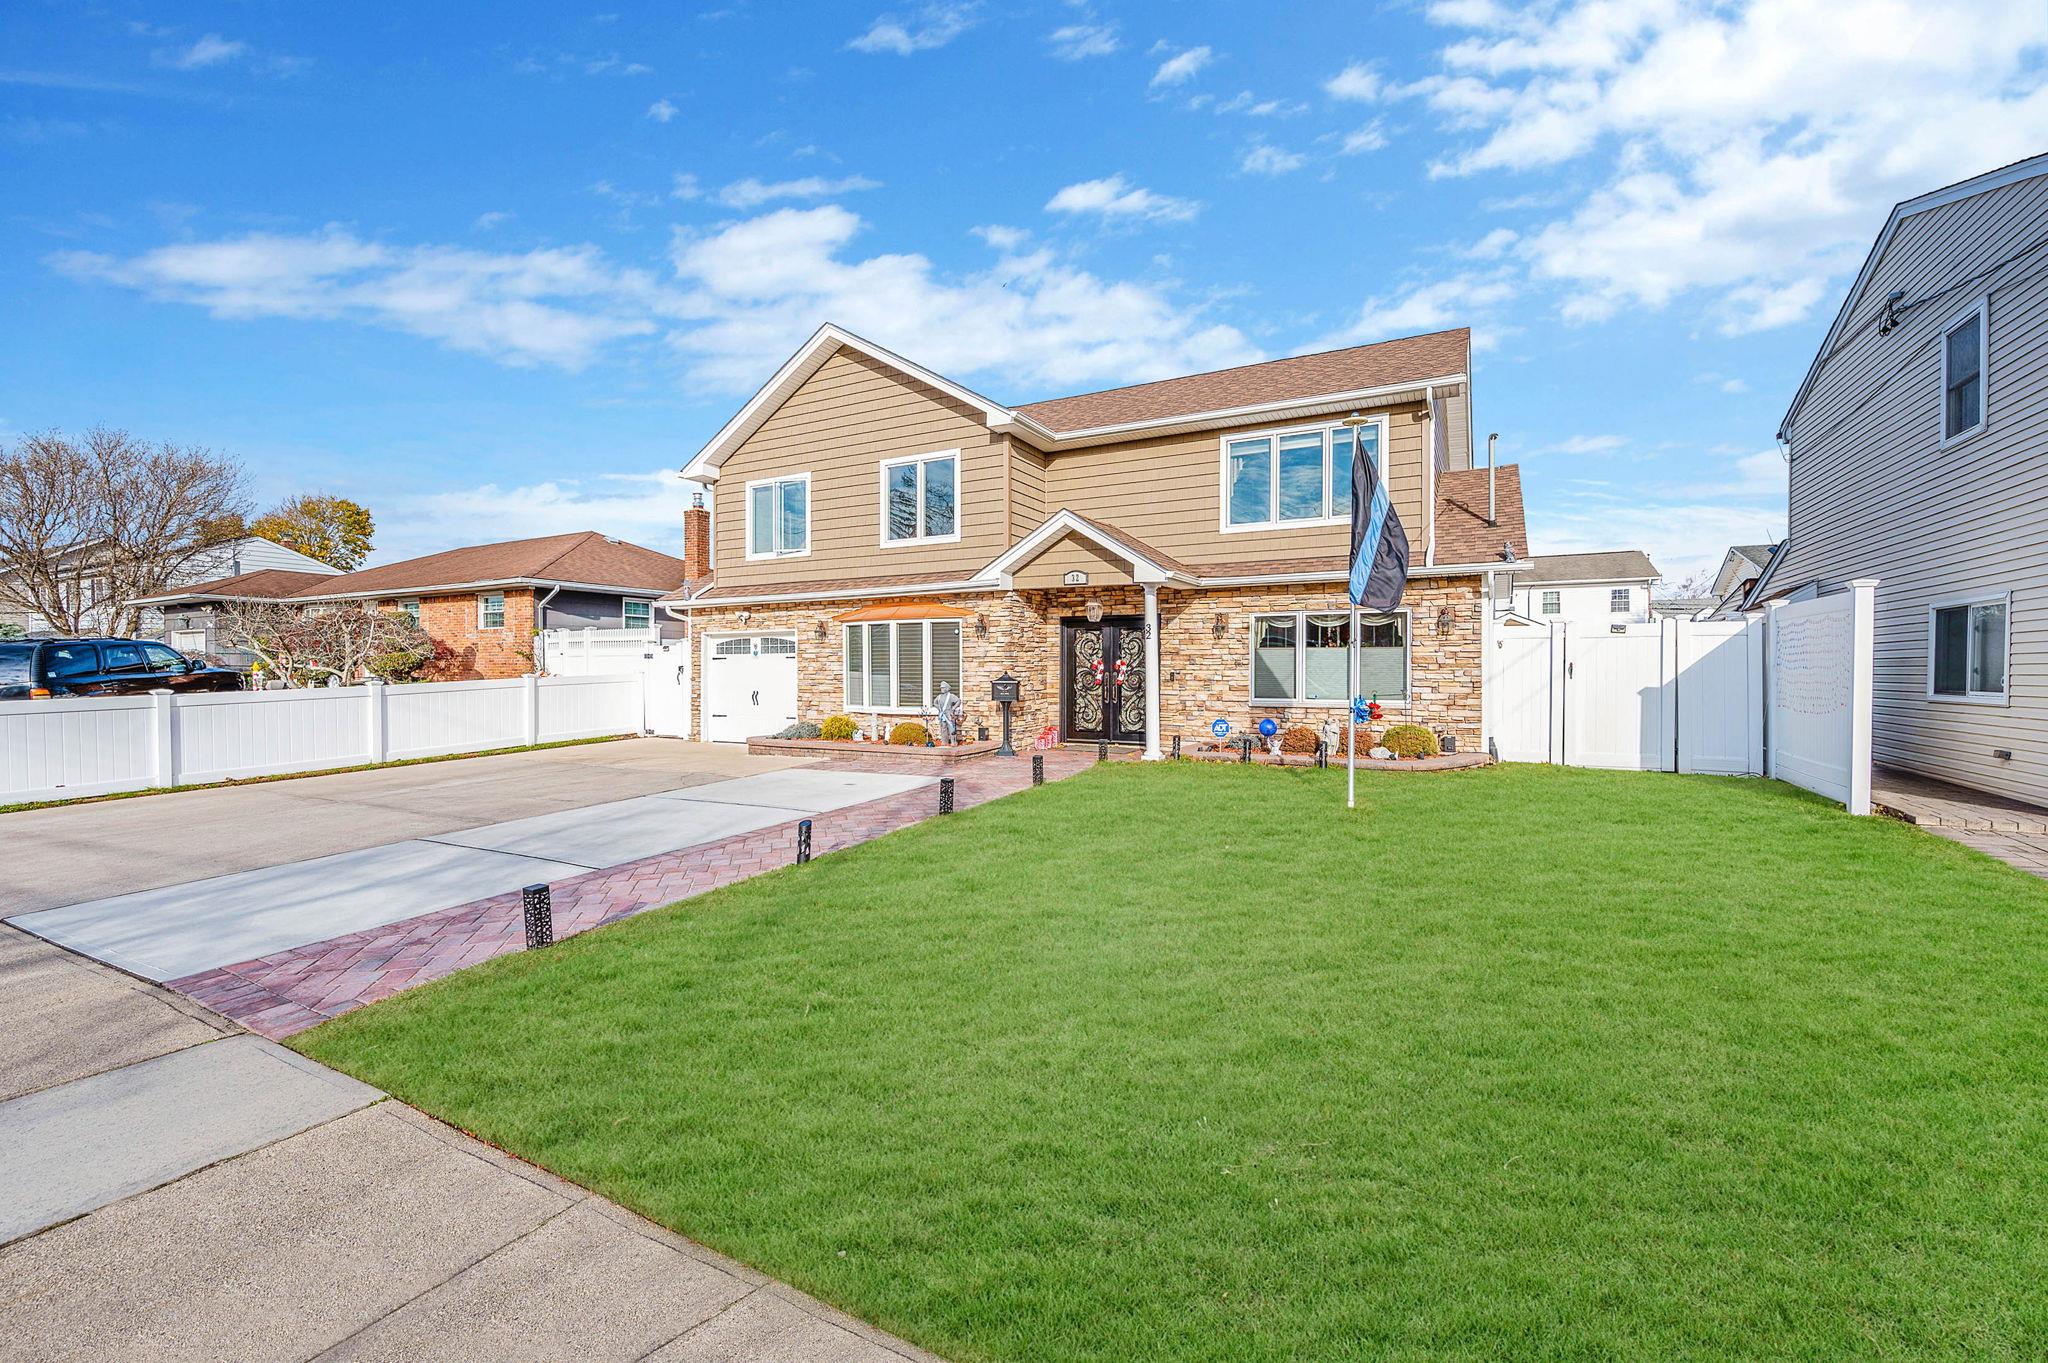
733,303
497,217
1368,138
1003,238
1461,300
661,111
1493,245
685,187
1746,152
645,508
210,50
1251,106
1583,444
752,193
1263,158
1117,198
934,26
1358,81
1182,67
757,288
556,306
1076,42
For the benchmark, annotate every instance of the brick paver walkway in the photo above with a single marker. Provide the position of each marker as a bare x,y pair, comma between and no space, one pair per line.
290,991
2011,830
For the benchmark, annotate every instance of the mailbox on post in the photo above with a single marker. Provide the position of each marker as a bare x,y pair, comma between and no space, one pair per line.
1004,691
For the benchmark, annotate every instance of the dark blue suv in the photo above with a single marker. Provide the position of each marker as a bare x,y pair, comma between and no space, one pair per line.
35,669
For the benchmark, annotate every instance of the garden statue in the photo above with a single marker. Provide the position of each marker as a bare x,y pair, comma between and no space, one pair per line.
946,710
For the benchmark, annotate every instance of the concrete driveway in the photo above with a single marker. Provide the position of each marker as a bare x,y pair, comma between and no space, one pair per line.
74,853
173,931
177,1189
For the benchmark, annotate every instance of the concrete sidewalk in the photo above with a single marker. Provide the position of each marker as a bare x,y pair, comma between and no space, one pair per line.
231,1201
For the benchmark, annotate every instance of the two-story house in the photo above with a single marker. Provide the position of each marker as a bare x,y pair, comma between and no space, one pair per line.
1600,589
1146,560
1916,444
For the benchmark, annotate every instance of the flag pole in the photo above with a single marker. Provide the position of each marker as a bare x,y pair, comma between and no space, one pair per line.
1351,722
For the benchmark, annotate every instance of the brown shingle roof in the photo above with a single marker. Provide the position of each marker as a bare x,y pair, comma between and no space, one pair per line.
265,584
1411,359
1611,563
585,557
1462,534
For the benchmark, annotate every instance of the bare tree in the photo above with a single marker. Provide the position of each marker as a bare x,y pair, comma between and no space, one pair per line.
1699,583
88,526
309,645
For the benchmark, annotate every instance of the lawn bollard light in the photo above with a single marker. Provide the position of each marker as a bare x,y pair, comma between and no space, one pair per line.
803,841
1102,750
1176,745
1322,754
540,916
1244,750
1038,769
945,795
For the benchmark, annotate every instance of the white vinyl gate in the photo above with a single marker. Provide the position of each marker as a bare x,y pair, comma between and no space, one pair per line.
1692,695
664,664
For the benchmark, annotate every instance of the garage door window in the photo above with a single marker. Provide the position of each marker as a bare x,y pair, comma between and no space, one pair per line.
898,665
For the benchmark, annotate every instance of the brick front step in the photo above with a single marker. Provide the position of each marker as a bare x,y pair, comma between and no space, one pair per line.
900,752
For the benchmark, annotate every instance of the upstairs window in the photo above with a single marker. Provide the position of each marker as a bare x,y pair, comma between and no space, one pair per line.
920,498
1297,477
1617,600
1962,374
779,517
1967,650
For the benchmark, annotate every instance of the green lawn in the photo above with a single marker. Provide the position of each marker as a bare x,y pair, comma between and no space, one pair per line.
1187,1063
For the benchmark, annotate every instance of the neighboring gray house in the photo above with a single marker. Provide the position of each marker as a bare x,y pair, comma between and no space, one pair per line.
191,631
1682,607
1916,444
230,558
1611,587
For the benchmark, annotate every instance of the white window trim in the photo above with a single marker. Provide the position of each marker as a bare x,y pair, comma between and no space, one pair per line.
2001,697
747,516
1543,596
847,702
1341,517
1301,659
504,615
410,607
628,601
1981,310
1628,601
882,487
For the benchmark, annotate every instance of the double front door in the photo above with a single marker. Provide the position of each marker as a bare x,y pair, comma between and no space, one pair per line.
1102,680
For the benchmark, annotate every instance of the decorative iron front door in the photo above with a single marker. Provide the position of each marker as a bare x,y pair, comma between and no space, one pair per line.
1102,680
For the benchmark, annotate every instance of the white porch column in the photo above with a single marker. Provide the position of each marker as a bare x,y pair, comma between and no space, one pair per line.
1152,677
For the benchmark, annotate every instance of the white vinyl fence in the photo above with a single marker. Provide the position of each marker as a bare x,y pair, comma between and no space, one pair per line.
663,664
55,749
1785,695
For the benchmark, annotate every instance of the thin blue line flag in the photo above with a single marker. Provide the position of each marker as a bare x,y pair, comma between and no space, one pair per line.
1379,546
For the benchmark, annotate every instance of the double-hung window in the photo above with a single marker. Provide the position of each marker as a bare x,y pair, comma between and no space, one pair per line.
1962,373
1303,657
898,664
921,498
779,516
410,610
636,614
490,610
1296,477
1967,649
1553,603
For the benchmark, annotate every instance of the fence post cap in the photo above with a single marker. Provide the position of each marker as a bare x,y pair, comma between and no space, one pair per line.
161,691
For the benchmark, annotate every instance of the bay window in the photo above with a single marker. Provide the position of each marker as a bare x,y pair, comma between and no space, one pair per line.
779,517
1967,650
898,664
920,498
1303,657
1295,477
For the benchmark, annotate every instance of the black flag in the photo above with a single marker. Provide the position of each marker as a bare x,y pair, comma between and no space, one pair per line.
1379,546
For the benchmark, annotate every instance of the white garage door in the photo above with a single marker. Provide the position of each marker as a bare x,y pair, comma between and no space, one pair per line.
749,686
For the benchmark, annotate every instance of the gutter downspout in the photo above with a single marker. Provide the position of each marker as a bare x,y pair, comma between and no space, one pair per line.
1492,505
540,625
1429,471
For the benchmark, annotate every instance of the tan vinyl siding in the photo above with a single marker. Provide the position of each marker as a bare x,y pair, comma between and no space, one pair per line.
839,426
1072,554
1168,492
1873,493
1028,509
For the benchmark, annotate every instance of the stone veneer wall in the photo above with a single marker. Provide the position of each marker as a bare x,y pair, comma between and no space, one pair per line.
1206,676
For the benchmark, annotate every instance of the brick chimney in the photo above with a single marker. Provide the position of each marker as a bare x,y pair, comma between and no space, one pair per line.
696,542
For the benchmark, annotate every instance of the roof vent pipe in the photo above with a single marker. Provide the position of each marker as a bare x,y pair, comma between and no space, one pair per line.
1492,510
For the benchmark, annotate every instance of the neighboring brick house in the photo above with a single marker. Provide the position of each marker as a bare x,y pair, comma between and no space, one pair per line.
484,603
1145,560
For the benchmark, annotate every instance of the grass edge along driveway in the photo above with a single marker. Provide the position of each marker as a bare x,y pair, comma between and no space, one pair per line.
1184,1062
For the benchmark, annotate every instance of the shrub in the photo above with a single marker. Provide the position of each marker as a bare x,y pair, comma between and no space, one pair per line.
803,728
1409,740
838,728
910,732
1299,739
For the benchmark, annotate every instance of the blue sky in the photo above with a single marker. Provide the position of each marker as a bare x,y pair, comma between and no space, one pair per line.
502,276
